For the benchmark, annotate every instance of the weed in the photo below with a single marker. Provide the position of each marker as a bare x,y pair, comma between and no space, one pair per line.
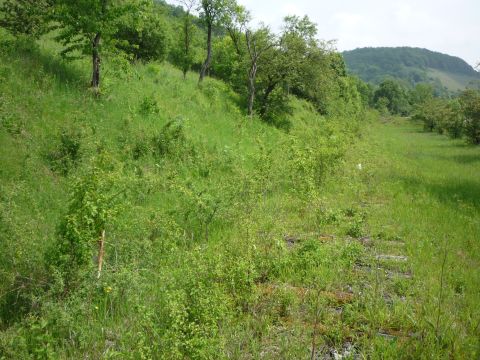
149,106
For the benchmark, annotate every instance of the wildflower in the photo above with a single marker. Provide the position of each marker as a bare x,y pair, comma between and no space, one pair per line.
359,167
108,289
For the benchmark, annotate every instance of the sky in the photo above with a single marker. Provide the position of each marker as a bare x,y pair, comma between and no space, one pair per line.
451,27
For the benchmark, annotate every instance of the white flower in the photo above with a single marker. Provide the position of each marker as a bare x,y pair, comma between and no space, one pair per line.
359,167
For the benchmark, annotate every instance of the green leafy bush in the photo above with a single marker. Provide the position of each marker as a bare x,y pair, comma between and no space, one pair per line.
93,203
149,106
67,152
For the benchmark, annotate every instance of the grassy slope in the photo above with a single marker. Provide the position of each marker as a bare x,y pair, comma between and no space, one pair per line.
453,82
249,290
159,257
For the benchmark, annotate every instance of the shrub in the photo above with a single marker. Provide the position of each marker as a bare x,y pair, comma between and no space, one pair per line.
93,203
149,106
66,154
310,162
171,141
141,147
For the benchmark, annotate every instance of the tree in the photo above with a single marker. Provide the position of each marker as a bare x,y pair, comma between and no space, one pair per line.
430,112
258,42
294,65
26,17
453,119
366,91
421,93
143,34
185,54
85,26
212,13
396,96
237,18
470,100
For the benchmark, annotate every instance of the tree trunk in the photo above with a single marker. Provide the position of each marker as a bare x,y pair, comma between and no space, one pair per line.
96,62
251,87
266,95
208,60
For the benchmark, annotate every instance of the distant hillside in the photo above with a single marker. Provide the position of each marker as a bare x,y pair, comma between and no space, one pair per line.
412,65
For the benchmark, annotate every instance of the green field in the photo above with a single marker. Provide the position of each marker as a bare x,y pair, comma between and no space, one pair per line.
453,82
230,238
421,190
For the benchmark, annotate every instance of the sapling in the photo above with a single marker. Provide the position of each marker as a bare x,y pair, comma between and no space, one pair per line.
94,204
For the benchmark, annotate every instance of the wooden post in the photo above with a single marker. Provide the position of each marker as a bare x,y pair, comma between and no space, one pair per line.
101,252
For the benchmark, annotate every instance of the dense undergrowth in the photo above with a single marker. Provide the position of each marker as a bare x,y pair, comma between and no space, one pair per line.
194,198
224,237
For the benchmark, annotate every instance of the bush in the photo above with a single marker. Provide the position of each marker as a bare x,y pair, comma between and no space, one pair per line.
309,163
66,154
171,142
93,203
149,106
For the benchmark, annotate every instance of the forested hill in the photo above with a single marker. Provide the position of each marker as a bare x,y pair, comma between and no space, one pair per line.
412,65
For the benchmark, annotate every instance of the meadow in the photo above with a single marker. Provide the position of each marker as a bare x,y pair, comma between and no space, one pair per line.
225,237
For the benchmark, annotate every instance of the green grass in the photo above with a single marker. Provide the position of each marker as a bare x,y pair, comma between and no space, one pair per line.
453,82
234,239
424,189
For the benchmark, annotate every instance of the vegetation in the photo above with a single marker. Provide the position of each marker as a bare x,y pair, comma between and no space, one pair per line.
456,117
264,213
25,17
412,66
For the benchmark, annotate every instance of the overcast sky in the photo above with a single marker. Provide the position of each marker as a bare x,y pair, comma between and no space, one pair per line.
448,26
